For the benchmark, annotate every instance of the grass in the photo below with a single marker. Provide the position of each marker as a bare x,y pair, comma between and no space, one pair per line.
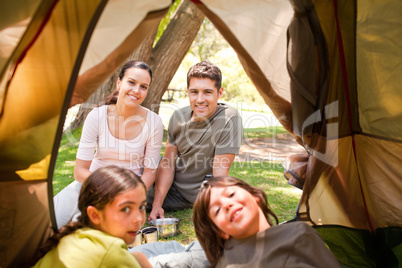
263,132
64,169
282,197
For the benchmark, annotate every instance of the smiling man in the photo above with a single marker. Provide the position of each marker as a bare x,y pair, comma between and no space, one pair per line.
203,138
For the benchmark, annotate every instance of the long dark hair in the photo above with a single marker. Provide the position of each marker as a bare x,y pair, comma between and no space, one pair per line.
206,230
98,190
112,98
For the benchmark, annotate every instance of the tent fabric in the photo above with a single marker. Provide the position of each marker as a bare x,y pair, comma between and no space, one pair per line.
355,164
353,177
378,64
38,75
25,221
15,34
360,248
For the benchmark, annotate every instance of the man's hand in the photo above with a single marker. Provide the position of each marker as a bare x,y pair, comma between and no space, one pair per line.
156,213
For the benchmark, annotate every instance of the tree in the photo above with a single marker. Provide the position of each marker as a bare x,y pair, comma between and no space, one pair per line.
208,41
164,58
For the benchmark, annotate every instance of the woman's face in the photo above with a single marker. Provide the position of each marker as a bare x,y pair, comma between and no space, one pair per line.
236,212
133,87
125,216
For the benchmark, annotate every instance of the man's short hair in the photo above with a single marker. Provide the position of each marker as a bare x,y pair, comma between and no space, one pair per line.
205,69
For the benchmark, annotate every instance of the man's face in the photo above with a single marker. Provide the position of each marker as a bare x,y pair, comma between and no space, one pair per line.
203,96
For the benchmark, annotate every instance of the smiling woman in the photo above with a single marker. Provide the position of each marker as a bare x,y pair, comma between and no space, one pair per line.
120,132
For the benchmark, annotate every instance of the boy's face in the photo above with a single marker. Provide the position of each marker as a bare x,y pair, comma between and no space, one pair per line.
203,96
125,216
236,212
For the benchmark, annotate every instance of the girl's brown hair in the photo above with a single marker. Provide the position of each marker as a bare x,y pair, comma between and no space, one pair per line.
98,190
206,230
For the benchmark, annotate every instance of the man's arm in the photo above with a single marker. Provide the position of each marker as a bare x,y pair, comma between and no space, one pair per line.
222,164
228,146
164,180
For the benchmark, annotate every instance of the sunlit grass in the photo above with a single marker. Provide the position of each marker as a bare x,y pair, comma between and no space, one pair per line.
263,132
64,169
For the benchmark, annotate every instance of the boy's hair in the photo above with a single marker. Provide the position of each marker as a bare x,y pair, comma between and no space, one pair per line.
205,69
206,230
98,190
112,98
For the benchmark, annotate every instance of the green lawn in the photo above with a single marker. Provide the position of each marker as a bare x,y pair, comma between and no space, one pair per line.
282,197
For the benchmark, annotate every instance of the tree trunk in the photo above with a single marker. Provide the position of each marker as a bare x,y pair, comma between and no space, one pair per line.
171,49
164,59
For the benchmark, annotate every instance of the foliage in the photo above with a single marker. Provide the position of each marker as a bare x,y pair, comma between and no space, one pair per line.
209,44
237,85
282,197
165,21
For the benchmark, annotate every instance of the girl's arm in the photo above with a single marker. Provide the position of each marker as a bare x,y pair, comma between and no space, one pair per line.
142,259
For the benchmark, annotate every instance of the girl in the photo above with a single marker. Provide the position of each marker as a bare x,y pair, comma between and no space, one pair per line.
121,132
233,223
112,204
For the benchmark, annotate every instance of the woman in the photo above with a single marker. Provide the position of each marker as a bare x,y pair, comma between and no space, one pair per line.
121,132
112,204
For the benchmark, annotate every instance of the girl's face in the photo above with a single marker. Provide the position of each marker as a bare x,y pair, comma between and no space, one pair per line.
125,216
133,88
236,212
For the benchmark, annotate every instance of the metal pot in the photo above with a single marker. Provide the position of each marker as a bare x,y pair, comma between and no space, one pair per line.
167,227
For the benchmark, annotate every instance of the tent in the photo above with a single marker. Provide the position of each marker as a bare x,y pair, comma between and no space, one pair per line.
329,71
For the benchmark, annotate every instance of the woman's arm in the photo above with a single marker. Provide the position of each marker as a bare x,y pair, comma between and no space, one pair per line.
148,177
88,143
81,170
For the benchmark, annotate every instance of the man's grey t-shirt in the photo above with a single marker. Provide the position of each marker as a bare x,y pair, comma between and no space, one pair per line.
199,142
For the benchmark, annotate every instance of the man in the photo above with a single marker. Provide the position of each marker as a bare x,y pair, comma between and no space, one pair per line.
203,139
